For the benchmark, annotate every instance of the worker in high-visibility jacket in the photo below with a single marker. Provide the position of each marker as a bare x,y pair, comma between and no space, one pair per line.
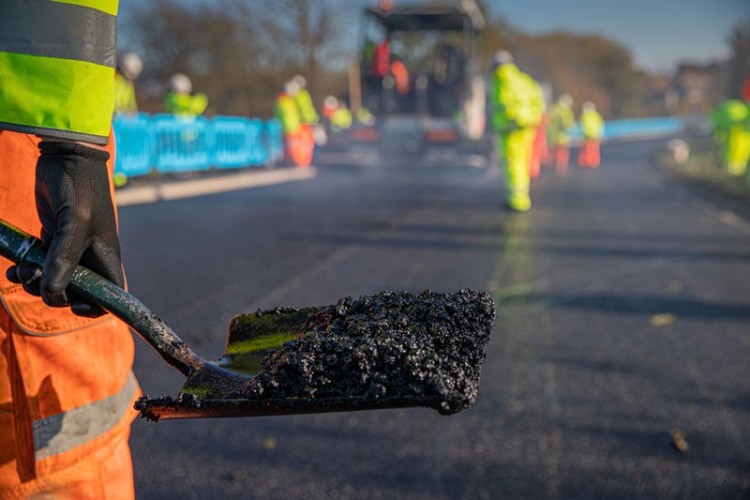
592,128
299,143
304,101
517,105
730,120
129,67
310,120
66,386
181,101
562,121
337,114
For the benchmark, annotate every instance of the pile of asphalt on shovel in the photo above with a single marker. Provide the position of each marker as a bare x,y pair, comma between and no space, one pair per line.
428,347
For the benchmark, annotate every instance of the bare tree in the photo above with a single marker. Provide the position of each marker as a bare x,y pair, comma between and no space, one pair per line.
310,31
239,52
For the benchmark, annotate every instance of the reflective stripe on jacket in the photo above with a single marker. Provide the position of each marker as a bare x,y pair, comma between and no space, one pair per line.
57,62
66,386
517,100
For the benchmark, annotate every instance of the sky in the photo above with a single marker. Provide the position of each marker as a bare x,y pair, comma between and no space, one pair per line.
659,33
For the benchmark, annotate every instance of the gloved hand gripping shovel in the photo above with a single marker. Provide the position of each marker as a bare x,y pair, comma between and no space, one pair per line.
382,351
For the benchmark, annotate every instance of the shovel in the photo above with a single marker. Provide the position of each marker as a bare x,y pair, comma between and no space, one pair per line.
222,388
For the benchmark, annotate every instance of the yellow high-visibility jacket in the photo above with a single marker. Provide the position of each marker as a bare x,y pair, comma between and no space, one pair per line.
592,124
288,114
561,123
57,68
187,105
306,107
516,99
125,101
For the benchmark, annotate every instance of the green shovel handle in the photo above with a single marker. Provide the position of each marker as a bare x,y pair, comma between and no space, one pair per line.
21,247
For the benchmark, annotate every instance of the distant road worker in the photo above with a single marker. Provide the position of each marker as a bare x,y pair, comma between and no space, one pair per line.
181,101
304,101
730,120
540,148
517,107
66,384
400,74
128,69
562,121
308,114
365,117
337,114
592,127
299,144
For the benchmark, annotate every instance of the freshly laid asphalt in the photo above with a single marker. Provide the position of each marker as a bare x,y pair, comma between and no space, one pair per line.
619,366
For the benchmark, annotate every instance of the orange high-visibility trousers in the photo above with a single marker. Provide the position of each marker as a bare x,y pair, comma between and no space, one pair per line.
589,156
66,386
300,146
540,150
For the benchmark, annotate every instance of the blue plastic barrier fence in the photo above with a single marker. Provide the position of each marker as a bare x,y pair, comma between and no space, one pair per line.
181,144
258,151
174,144
231,142
273,141
133,140
637,127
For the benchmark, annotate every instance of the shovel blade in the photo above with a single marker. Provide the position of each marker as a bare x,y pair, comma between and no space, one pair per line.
389,350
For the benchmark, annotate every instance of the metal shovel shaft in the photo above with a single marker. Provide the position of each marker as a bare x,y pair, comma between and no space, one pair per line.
21,247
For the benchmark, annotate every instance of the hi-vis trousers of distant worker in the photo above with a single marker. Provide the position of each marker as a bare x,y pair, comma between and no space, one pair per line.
66,386
300,146
589,155
515,148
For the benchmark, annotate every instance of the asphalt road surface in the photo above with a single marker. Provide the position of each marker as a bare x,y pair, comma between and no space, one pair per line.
623,333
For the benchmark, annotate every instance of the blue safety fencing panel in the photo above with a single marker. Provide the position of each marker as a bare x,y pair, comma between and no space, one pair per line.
636,128
273,141
643,127
231,142
258,151
168,143
181,144
133,144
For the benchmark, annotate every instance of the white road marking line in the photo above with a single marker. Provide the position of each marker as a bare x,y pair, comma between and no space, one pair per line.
140,195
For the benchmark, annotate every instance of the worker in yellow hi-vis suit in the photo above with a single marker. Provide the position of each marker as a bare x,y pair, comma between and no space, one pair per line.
181,100
592,127
517,109
730,120
129,67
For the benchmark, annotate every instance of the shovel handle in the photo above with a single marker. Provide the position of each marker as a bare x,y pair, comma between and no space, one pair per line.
20,247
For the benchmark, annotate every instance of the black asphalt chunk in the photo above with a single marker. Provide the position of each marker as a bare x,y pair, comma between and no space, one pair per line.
385,345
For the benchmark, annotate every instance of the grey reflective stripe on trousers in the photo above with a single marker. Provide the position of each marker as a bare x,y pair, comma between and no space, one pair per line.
60,30
65,431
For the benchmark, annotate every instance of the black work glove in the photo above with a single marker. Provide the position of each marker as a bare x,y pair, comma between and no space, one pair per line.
78,224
